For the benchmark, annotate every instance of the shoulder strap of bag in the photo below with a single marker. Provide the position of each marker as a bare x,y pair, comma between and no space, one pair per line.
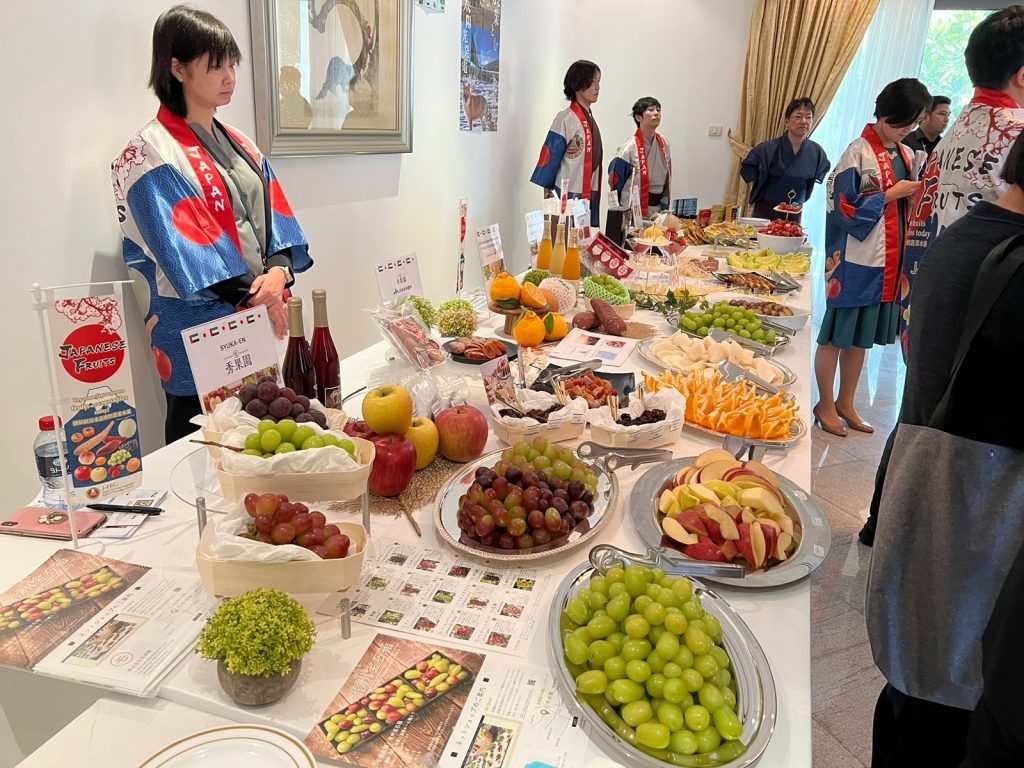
994,275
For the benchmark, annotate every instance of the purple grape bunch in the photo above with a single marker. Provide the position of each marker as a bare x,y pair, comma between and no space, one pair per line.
267,400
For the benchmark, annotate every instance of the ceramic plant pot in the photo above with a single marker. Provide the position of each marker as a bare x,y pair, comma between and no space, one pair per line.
256,690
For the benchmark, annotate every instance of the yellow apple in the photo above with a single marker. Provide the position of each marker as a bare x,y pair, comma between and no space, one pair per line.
388,409
423,434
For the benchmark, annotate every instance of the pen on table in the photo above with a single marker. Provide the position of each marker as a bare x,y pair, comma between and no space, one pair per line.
124,508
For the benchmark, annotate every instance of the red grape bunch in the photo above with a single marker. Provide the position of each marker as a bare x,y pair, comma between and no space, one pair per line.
783,228
266,400
536,494
279,521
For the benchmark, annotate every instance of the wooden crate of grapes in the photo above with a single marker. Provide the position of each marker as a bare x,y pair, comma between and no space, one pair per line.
319,486
227,578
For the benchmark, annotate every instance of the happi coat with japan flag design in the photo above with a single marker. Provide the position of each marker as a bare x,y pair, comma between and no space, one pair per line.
632,154
863,234
572,150
180,235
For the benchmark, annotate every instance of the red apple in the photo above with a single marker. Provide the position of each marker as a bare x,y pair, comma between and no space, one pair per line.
393,465
358,429
463,432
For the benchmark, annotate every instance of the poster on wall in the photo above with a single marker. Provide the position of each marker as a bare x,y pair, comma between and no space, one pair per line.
480,48
97,401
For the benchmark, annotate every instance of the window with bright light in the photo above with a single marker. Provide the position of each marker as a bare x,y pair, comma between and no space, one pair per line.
943,69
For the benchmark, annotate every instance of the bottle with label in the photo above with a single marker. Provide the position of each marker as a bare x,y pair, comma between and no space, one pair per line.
48,462
326,363
298,369
544,249
558,252
571,267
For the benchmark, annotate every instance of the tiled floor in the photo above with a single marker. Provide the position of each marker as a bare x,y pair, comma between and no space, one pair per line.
844,679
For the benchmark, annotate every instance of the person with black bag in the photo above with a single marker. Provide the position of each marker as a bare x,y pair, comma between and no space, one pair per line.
953,497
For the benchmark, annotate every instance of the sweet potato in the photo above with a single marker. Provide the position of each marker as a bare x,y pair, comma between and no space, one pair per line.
584,320
611,322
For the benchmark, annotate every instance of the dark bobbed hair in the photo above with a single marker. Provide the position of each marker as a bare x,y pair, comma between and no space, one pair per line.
578,77
804,102
185,33
902,101
995,49
1013,169
642,105
938,101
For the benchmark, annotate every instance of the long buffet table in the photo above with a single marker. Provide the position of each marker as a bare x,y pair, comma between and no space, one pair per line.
37,707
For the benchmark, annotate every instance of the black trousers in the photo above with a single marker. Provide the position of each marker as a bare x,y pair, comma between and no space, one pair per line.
876,496
913,732
180,408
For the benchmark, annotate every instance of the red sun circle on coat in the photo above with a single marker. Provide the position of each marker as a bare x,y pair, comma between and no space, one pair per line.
834,288
545,156
193,221
92,353
277,199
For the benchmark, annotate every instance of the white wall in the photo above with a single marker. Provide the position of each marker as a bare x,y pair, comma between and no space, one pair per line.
74,102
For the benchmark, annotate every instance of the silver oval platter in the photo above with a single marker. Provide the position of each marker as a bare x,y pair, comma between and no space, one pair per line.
815,538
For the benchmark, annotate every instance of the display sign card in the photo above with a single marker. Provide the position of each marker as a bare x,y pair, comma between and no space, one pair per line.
581,216
496,373
227,353
488,245
534,233
398,279
97,401
582,345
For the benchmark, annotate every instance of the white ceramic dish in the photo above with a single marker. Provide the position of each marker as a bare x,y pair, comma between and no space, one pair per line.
779,244
794,323
234,746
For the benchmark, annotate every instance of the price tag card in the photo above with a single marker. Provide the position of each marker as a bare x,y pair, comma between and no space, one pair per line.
398,278
230,352
534,227
488,244
581,217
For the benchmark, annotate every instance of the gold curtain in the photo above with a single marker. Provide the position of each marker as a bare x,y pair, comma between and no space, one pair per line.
798,48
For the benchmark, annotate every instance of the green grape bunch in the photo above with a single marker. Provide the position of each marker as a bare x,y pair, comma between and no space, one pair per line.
735,320
119,457
651,663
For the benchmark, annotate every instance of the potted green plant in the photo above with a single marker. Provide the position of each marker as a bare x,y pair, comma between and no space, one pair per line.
258,640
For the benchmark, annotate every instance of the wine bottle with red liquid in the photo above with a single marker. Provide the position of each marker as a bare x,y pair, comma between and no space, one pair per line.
326,362
298,371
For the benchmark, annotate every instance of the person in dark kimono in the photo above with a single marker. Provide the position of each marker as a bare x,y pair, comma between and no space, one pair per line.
785,170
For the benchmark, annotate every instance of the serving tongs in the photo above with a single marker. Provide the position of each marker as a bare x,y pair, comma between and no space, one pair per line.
604,557
720,334
568,371
734,372
613,458
783,279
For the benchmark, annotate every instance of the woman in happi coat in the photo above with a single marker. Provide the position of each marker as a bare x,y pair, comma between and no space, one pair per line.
785,170
648,152
207,228
867,213
572,149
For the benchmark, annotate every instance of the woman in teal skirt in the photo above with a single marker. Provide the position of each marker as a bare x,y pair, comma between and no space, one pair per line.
867,213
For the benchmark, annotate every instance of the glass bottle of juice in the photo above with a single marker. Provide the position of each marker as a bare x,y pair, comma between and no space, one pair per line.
571,267
558,252
326,363
298,369
544,249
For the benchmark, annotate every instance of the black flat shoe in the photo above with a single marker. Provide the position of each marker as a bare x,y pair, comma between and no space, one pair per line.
867,534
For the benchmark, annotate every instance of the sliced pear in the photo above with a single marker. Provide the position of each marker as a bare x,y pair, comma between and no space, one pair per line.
666,501
759,498
758,545
782,545
721,488
724,520
684,498
676,532
714,454
703,493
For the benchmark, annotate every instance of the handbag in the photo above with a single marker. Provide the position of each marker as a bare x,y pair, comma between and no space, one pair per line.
952,523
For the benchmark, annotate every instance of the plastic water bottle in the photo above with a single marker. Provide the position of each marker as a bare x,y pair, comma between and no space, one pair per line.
48,463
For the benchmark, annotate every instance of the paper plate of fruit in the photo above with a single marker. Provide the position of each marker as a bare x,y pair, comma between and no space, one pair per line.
530,501
716,508
712,703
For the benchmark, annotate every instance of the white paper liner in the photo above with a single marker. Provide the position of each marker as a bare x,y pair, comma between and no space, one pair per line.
330,458
574,412
220,541
230,414
672,402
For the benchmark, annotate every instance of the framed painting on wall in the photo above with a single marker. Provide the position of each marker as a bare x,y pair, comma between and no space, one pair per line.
332,76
